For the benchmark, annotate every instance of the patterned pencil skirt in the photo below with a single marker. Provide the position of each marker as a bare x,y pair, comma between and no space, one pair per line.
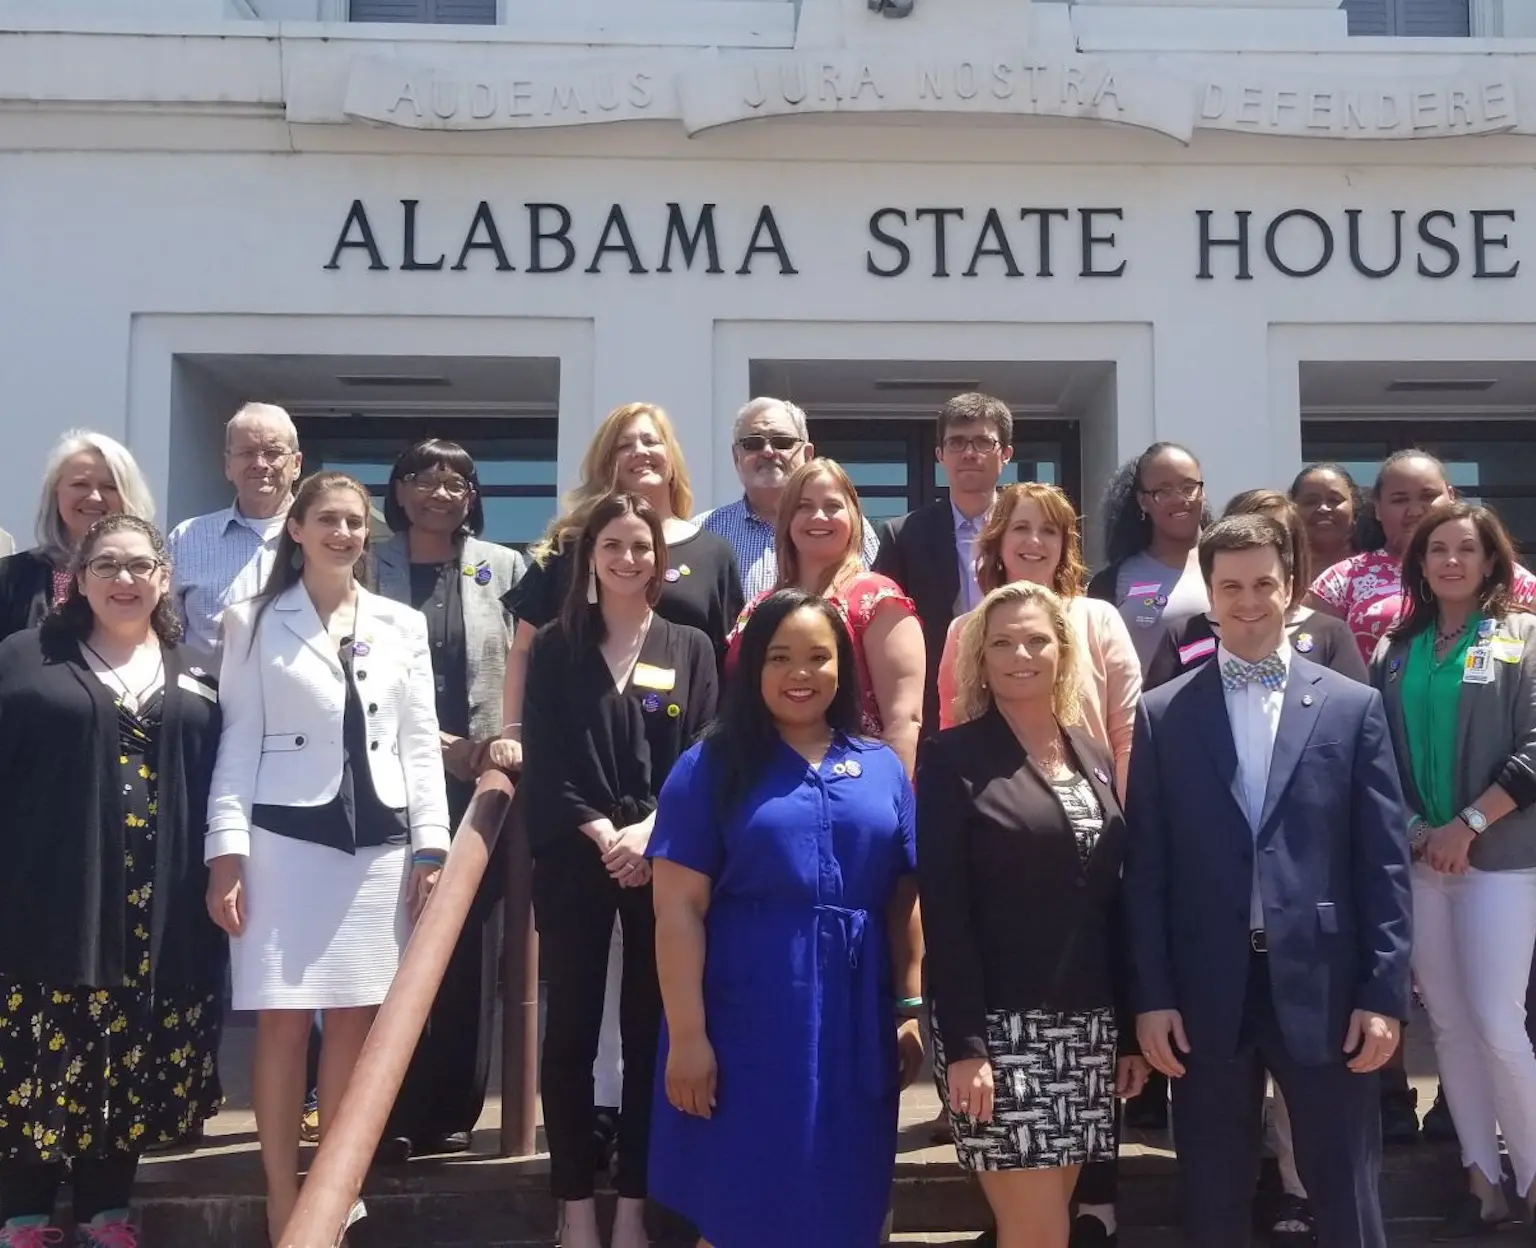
1054,1099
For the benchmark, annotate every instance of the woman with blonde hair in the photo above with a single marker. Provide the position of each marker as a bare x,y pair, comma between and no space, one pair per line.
1019,843
86,476
820,550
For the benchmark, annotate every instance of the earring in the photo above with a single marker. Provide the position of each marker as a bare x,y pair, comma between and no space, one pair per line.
297,558
1424,590
592,587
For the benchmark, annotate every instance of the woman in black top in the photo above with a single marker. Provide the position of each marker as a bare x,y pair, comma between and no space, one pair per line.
615,693
1019,843
1315,635
111,973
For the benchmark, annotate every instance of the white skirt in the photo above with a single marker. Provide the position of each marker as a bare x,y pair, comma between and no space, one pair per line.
323,929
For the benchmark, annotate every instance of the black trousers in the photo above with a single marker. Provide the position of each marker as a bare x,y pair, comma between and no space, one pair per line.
1335,1122
575,902
31,1188
444,1087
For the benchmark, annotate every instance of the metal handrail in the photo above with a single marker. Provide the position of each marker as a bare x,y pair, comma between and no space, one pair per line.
346,1151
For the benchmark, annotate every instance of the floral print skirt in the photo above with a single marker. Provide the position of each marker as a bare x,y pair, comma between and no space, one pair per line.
89,1071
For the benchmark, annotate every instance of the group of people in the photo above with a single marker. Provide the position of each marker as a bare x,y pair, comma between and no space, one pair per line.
804,799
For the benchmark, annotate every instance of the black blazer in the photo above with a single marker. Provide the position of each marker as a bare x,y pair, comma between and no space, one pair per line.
26,591
1325,639
917,551
63,899
1013,918
591,751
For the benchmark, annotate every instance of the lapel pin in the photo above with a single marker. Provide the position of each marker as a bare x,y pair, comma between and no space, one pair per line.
1306,699
673,575
852,767
360,649
1101,775
839,769
685,569
1485,628
651,703
1304,643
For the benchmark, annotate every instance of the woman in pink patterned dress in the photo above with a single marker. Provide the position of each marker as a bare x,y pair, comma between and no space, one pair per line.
1366,590
820,549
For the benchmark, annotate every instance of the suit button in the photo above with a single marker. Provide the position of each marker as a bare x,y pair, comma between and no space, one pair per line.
373,708
361,675
373,745
298,740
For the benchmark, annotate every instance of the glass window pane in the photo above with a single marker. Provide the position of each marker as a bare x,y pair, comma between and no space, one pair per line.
878,509
1032,461
517,521
868,461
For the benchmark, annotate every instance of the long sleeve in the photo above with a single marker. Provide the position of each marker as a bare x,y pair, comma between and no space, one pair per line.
1146,878
244,714
1121,694
703,689
1517,776
1383,901
550,751
420,748
954,951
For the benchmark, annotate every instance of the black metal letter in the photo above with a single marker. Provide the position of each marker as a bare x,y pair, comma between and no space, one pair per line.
1452,252
1045,215
1481,242
538,236
774,245
993,225
940,235
357,216
903,252
1092,240
1355,259
491,242
1208,244
409,261
1273,253
626,243
688,244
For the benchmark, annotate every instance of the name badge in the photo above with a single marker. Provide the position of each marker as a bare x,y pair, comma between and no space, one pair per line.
659,678
1507,649
1479,667
1145,589
1197,650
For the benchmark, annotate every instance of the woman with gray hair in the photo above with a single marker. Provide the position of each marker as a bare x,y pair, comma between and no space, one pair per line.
87,476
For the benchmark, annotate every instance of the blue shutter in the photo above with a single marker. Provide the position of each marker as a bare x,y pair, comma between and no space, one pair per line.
1368,17
1427,18
389,10
466,12
446,12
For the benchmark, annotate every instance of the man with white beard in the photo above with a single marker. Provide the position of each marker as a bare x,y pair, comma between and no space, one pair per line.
769,440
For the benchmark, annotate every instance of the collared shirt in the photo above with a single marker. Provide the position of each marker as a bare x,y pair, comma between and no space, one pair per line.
752,538
1254,713
216,560
967,531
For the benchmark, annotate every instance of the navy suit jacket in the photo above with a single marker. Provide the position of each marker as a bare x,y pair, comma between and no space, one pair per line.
1333,861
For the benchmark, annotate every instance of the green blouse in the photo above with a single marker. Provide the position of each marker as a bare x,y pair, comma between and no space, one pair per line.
1431,710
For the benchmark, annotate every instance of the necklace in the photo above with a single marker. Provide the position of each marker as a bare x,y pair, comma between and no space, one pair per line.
1445,638
130,698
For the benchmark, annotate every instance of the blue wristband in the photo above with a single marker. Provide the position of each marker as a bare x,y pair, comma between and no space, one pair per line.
428,857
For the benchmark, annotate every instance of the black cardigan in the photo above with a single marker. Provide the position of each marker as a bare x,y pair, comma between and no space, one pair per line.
1013,918
63,895
590,751
26,591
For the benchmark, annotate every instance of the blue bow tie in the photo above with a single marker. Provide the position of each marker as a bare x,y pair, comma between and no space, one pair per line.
1268,671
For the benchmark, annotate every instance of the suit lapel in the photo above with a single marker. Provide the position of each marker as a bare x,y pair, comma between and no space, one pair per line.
1215,728
941,543
394,568
298,614
1303,703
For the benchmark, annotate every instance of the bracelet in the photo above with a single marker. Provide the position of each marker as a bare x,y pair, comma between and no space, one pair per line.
910,1003
428,858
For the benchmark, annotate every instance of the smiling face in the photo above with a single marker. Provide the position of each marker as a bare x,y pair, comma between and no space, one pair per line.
123,580
262,463
760,464
624,557
800,669
86,492
334,530
1250,595
1020,653
641,461
435,499
1409,488
1456,563
821,527
1171,493
1327,508
1032,544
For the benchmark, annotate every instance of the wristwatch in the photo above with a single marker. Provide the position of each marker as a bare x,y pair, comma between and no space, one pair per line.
1474,819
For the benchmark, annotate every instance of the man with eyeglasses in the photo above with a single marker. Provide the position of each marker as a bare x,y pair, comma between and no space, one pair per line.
226,556
931,552
769,440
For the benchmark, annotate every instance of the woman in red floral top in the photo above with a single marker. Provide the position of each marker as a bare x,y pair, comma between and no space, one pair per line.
820,550
1366,590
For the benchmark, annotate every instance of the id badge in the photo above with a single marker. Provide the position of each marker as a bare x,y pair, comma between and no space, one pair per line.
662,679
1479,667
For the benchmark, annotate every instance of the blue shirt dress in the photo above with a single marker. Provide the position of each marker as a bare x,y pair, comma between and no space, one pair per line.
798,1000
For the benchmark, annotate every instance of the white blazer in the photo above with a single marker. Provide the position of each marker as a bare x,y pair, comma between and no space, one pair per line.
283,695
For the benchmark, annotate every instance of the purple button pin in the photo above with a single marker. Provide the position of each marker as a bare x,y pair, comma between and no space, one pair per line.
361,648
651,703
673,575
1101,775
482,575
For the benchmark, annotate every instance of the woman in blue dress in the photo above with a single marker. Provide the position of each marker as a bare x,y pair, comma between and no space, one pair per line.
787,941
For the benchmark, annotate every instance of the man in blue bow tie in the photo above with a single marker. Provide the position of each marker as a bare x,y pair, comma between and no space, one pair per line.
1268,909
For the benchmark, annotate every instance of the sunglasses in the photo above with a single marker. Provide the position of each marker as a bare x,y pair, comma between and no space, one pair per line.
755,443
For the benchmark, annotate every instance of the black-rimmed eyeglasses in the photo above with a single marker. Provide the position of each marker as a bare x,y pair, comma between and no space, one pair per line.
1185,492
454,487
109,569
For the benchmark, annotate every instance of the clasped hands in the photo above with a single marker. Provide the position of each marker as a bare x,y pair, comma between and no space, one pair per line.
1372,1038
623,851
973,1093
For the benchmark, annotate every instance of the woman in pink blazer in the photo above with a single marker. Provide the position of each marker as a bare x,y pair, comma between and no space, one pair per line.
1032,535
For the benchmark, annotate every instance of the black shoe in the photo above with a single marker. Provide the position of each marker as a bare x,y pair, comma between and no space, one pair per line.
1399,1116
1291,1225
1089,1232
987,1239
1465,1221
1438,1127
452,1142
393,1150
605,1138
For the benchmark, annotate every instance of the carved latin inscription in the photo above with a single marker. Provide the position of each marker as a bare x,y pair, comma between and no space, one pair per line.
1360,109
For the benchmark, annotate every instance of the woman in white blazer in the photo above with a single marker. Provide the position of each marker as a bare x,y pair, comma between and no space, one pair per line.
328,822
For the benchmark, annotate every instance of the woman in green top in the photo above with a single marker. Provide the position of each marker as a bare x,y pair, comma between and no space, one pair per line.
1458,674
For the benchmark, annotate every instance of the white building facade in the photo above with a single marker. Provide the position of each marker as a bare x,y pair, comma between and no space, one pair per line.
1273,230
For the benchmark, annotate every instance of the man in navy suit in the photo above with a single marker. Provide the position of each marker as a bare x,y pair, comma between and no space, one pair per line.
1268,907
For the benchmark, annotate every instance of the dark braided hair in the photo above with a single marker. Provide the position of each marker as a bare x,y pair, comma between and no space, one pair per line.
74,618
1127,528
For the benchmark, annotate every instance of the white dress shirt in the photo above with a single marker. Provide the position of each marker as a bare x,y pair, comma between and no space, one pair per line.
1254,713
218,560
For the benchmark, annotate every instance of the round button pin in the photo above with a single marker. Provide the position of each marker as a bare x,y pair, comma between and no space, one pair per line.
854,769
673,575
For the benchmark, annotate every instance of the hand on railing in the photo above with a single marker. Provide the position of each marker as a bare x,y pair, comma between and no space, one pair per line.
504,754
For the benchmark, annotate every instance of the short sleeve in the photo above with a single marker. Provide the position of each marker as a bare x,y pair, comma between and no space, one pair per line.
1332,586
1525,587
867,593
686,831
535,599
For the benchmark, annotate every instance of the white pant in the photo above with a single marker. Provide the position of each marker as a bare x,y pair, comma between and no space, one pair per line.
1473,936
608,1070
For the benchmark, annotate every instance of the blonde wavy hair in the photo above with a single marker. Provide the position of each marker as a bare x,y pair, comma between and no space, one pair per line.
1070,576
600,477
784,547
972,697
